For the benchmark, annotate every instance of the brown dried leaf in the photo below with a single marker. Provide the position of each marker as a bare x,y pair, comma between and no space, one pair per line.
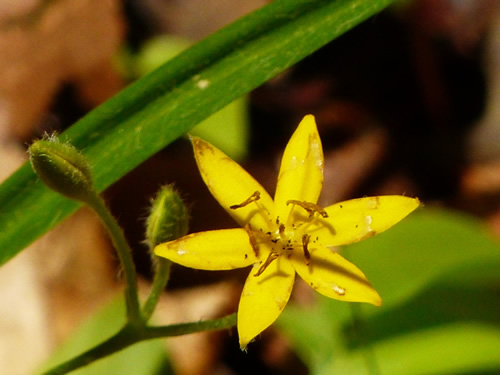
62,42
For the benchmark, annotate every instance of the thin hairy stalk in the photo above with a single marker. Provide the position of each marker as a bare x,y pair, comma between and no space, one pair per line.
131,334
124,255
161,276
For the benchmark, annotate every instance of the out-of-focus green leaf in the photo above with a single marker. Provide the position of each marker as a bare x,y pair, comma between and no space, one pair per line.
449,349
227,129
437,305
313,331
162,106
156,52
439,272
462,348
425,246
144,358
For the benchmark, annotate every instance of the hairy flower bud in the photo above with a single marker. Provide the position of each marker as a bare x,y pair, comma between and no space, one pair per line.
62,168
168,219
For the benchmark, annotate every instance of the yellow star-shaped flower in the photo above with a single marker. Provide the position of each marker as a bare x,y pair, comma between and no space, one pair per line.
289,235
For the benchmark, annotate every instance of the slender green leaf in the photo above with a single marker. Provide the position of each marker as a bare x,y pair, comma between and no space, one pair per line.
155,53
226,129
165,104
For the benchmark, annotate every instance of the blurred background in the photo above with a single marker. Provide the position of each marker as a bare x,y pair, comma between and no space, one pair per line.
406,103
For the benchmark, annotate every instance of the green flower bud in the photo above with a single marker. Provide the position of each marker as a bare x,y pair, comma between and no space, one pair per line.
62,168
168,219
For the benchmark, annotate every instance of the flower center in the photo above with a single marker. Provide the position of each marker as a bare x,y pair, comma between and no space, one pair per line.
284,238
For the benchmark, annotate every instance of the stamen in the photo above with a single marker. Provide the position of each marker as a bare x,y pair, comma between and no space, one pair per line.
254,197
311,208
272,256
252,240
307,255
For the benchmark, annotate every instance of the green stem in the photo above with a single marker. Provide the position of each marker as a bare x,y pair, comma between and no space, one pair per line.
225,322
161,276
124,255
130,335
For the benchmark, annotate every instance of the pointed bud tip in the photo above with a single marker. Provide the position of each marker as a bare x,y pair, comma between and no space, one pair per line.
168,219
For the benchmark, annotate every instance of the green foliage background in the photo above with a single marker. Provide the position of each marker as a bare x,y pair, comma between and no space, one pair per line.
437,273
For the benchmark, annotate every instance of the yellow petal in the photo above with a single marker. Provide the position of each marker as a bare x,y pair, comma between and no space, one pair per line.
357,219
223,249
263,298
231,185
333,276
301,173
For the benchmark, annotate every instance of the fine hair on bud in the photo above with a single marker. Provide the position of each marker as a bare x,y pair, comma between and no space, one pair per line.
62,168
168,218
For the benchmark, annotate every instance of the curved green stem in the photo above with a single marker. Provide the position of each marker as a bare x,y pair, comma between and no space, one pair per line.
125,256
130,335
161,276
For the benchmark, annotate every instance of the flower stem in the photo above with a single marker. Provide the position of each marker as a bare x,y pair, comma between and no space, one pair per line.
131,334
161,276
124,255
228,321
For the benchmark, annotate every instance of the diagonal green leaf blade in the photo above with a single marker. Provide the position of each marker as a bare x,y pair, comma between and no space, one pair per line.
157,109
